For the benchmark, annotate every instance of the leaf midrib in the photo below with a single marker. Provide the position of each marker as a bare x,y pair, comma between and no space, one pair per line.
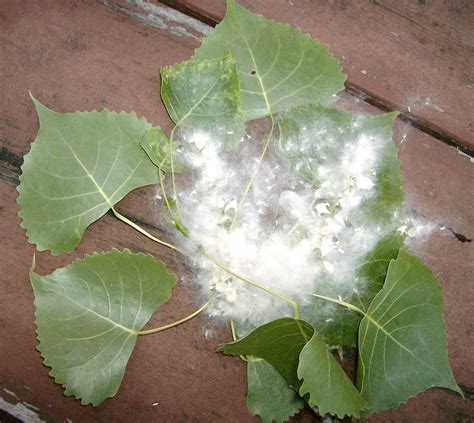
88,309
257,72
84,168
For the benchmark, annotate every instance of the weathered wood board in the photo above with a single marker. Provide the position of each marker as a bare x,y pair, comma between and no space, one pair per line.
86,55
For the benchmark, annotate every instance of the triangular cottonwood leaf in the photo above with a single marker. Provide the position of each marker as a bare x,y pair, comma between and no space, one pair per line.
79,166
279,66
294,349
329,388
203,99
157,146
402,338
269,395
340,327
88,315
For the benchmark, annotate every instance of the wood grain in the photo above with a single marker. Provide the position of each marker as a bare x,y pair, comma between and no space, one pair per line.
83,55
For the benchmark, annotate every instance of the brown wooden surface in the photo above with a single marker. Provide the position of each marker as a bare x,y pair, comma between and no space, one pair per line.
452,19
393,53
84,55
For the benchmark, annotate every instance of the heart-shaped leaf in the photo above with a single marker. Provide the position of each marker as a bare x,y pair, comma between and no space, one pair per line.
79,166
269,395
279,67
402,338
88,316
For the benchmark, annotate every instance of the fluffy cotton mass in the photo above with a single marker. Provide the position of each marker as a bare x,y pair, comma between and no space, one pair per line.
288,236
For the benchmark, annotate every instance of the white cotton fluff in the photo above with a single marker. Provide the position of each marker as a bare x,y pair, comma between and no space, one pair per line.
289,237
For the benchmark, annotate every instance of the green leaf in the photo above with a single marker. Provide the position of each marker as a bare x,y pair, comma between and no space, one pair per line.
329,388
279,66
157,146
300,355
279,343
402,338
269,395
339,327
203,99
88,316
79,166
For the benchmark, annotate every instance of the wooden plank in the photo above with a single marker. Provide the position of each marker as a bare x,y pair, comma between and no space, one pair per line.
61,62
451,19
423,73
118,67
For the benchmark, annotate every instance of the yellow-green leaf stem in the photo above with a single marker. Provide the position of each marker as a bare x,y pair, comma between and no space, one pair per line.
144,232
173,324
235,337
340,302
173,179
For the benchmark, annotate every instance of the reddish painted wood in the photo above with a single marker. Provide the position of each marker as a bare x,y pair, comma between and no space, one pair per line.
415,68
81,55
452,19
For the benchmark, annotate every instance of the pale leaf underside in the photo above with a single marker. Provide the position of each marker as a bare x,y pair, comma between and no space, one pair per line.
402,338
88,316
328,386
269,395
79,166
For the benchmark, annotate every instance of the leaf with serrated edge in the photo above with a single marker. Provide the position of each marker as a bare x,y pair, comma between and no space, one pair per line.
269,395
278,342
203,99
79,166
294,349
402,338
340,328
279,66
88,315
328,386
